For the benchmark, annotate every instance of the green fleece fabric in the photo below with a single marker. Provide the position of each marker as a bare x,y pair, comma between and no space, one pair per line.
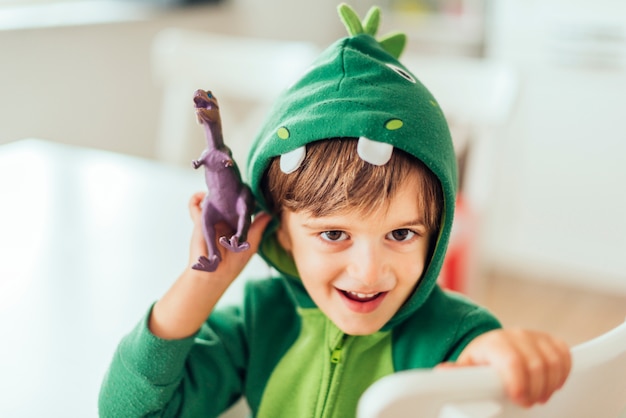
279,357
334,377
278,350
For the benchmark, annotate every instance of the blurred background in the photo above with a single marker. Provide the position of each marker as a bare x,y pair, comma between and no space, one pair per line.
535,92
97,133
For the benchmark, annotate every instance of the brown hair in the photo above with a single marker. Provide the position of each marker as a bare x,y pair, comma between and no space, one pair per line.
332,178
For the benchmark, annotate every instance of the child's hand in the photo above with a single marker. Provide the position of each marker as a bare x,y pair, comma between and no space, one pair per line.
191,299
532,364
232,262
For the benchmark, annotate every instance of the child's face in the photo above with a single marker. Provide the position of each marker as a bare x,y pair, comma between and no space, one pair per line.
360,269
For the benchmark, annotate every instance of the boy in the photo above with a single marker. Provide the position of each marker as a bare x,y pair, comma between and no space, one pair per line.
357,175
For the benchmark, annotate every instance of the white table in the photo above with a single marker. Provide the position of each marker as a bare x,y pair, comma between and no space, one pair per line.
88,240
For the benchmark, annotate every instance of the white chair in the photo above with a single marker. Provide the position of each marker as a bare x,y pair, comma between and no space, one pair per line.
596,387
245,74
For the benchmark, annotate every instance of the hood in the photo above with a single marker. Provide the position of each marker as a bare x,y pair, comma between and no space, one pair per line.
358,88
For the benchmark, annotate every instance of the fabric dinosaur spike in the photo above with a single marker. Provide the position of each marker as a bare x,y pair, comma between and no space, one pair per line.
371,21
394,44
350,19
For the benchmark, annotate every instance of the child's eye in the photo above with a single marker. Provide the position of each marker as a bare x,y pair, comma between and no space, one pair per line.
401,235
334,235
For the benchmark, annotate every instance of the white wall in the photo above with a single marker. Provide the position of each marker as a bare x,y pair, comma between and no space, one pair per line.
560,208
79,85
92,85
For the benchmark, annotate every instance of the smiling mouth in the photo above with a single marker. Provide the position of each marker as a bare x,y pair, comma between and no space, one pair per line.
361,297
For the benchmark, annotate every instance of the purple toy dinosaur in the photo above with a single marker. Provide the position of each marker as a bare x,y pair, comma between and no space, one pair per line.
229,200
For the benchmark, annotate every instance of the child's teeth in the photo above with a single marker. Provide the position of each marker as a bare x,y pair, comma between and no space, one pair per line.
363,295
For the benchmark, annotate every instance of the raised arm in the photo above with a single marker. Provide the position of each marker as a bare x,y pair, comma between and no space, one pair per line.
159,365
190,300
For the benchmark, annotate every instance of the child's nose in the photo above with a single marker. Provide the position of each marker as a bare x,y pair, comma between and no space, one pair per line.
368,265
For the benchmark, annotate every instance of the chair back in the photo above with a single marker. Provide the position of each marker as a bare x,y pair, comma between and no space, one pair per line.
596,387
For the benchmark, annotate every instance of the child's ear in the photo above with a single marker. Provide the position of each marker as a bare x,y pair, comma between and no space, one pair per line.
284,239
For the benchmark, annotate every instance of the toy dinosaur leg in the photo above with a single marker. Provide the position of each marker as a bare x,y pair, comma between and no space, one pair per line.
243,207
209,219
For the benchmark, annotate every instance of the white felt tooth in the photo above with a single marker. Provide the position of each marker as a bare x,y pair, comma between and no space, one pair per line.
374,152
290,161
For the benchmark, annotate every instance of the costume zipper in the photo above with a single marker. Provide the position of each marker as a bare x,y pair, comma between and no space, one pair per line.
336,356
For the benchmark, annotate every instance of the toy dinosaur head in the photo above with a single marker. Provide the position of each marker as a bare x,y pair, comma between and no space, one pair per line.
357,88
207,109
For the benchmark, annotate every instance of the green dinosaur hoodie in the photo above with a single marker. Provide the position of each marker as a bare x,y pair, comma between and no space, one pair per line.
277,349
358,89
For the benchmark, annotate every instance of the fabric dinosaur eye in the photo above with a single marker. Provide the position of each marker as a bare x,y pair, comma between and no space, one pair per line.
402,72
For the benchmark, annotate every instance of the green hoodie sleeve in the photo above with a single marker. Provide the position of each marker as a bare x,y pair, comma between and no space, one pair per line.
439,330
197,376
